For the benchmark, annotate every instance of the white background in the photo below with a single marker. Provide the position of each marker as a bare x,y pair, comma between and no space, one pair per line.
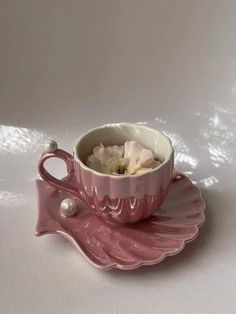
67,66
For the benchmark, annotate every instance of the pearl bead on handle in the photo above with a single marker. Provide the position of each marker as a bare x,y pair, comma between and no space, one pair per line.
51,151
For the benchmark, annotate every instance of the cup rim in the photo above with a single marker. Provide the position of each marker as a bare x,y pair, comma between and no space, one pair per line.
123,176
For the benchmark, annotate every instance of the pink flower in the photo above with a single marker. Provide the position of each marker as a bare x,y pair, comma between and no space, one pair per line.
140,159
132,158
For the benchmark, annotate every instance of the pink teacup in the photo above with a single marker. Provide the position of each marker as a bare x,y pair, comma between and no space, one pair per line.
126,198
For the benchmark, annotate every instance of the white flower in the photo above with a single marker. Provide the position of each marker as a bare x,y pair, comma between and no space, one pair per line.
132,158
105,153
139,157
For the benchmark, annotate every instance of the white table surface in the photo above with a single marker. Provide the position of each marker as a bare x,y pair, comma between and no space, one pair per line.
67,66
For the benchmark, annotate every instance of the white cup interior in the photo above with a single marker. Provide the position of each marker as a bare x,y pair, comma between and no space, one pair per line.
118,134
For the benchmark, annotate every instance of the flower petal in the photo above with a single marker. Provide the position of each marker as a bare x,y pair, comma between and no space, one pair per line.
146,158
94,163
155,164
139,156
112,164
101,154
142,170
116,151
132,149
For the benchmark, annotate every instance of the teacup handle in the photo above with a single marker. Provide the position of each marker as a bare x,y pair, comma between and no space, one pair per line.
51,180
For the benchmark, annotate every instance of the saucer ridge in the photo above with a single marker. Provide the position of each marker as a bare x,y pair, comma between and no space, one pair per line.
109,245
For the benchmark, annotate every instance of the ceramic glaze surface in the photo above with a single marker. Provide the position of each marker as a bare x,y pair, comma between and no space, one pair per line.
107,245
69,66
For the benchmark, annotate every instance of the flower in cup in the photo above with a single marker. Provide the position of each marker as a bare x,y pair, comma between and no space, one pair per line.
140,159
130,159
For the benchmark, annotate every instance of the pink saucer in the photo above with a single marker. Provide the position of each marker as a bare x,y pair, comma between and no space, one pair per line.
108,245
